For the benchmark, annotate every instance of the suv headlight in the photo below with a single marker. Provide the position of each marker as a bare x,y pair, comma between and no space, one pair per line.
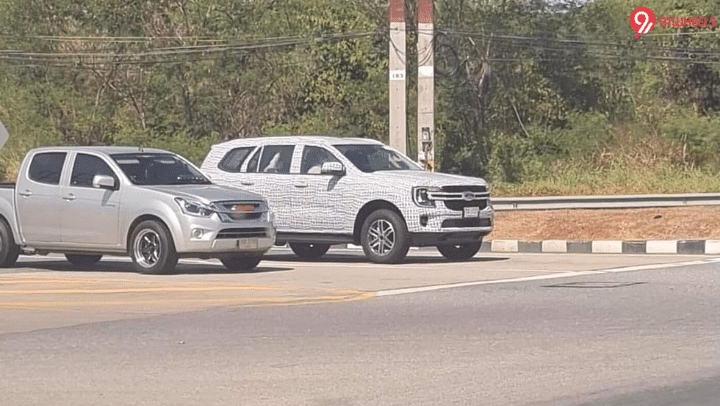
421,196
194,208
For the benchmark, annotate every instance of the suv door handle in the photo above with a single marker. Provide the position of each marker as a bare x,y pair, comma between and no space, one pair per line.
301,184
25,193
246,183
69,197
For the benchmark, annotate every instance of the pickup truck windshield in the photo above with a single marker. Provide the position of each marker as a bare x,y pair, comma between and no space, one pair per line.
371,158
158,169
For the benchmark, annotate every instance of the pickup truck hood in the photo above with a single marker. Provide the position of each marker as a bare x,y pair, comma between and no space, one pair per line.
206,193
422,178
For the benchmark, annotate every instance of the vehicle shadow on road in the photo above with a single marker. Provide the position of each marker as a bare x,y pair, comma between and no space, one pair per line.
111,266
349,258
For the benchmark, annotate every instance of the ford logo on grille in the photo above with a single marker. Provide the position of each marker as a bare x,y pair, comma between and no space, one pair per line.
468,196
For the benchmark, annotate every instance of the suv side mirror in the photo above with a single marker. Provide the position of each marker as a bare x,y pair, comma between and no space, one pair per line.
332,168
103,182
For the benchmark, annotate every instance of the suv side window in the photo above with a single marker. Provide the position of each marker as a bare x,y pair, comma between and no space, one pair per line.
85,169
47,167
253,163
233,160
276,158
313,158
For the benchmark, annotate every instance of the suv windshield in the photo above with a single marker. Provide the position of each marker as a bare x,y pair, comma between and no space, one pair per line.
371,158
159,169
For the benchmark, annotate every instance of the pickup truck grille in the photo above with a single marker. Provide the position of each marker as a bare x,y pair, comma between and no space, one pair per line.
231,212
458,197
232,233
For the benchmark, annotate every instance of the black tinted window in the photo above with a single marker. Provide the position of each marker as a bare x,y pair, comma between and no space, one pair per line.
276,159
313,158
233,160
85,169
47,167
252,165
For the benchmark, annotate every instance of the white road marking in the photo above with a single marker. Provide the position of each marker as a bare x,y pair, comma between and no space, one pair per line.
394,292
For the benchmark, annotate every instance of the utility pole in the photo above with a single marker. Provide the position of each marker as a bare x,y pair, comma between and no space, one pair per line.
398,88
426,83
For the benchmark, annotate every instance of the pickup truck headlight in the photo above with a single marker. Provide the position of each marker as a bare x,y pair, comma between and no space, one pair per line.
194,208
421,198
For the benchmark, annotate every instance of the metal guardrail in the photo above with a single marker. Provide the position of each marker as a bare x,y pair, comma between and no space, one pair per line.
605,202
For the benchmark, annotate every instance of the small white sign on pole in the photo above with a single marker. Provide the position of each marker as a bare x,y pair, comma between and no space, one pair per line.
3,135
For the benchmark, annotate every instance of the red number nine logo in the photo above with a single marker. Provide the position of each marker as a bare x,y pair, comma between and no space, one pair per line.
642,20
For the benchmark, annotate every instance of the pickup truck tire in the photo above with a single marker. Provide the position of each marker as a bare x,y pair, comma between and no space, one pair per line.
384,237
82,260
309,251
240,263
9,251
459,252
152,248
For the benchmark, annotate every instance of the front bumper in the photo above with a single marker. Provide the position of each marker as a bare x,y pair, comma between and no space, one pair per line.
210,236
439,225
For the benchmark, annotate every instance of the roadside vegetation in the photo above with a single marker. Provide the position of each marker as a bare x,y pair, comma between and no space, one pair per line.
539,97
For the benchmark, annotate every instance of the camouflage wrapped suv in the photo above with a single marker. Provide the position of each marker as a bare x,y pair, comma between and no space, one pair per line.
327,190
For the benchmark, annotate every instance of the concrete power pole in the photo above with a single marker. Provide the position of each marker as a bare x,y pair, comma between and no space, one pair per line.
398,103
426,83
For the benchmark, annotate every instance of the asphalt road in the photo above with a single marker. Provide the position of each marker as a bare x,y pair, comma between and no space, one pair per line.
500,330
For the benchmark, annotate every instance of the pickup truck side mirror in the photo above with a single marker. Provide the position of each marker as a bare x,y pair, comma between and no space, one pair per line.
103,182
332,168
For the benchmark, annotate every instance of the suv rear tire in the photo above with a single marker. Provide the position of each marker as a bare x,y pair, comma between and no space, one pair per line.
239,263
309,250
384,237
459,252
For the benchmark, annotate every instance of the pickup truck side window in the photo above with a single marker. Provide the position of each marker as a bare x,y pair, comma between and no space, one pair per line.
233,160
47,167
313,158
85,169
276,159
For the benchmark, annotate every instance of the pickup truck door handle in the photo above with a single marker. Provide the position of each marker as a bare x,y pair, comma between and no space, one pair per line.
25,193
246,183
69,196
301,184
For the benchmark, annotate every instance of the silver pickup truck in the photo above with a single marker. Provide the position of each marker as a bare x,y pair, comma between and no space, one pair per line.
150,204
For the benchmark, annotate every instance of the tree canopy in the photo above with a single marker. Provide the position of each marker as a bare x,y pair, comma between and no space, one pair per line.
523,87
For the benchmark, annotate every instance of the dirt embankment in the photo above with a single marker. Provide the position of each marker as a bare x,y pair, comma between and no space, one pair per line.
697,222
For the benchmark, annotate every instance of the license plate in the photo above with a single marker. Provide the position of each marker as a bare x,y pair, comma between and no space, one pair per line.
471,211
246,243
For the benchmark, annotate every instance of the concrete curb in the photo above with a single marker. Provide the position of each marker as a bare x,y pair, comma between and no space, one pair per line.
682,247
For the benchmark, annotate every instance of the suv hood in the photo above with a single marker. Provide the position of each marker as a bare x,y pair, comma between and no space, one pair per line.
207,193
422,178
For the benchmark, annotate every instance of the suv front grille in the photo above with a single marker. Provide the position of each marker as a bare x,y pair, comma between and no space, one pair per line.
458,197
460,204
460,189
233,233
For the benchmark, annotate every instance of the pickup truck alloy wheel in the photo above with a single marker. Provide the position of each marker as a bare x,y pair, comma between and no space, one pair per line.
9,251
309,251
459,252
153,250
384,237
82,260
240,263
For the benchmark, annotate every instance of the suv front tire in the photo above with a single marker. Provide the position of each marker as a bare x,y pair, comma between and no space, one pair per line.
384,237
